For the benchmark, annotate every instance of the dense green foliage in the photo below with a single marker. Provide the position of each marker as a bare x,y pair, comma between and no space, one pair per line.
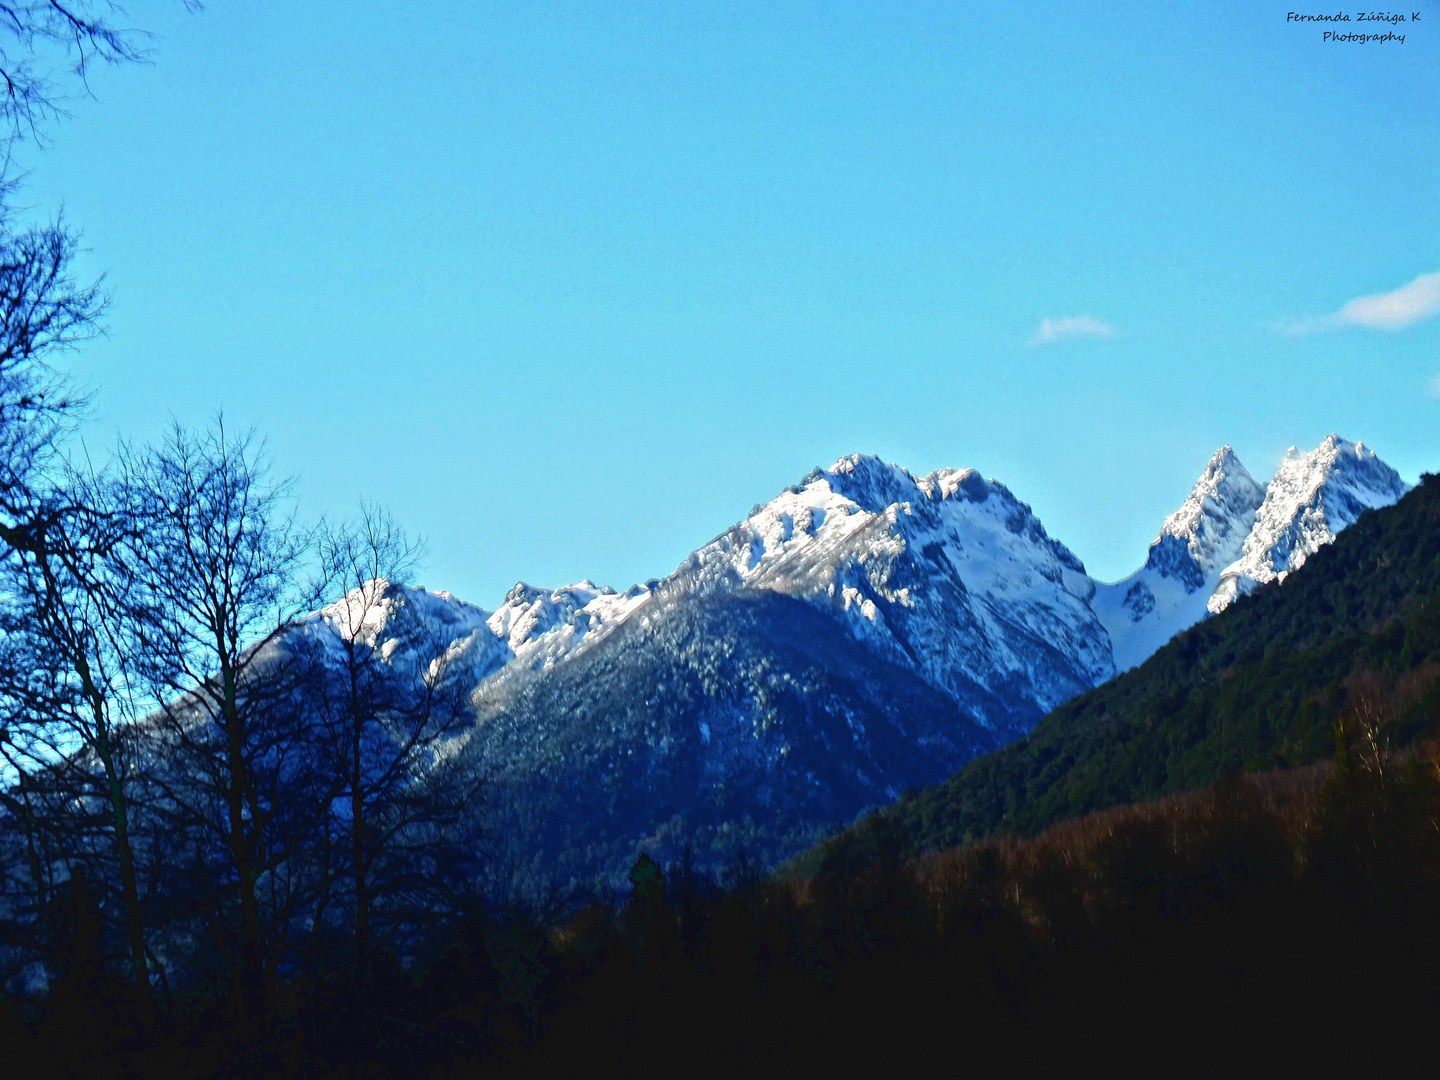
1259,686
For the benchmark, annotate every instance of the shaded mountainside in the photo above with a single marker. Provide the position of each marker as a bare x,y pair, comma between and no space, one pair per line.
948,574
1258,686
747,721
865,632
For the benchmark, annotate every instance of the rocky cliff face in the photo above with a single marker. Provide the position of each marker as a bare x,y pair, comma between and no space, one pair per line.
1185,563
1231,535
1310,499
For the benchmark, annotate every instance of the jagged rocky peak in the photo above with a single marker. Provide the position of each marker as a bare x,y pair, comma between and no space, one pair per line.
367,612
362,613
1231,535
948,574
1208,531
863,503
874,485
867,481
557,620
407,624
1309,500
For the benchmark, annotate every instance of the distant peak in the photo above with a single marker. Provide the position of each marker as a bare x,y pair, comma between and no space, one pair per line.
521,593
585,589
868,467
874,483
871,483
1312,497
1336,457
947,482
1224,460
1225,470
1332,448
1207,532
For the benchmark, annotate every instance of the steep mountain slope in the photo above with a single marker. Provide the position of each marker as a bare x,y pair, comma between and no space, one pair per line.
949,574
1171,591
1308,501
1259,685
1231,535
864,632
746,721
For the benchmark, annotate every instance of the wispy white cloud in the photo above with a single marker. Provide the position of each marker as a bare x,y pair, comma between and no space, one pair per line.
1053,331
1394,310
1433,386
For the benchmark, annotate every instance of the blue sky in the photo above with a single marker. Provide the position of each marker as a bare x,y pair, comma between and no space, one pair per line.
570,287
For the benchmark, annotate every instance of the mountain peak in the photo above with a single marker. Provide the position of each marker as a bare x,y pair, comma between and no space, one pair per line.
1312,496
949,575
869,482
1196,543
1231,534
1207,532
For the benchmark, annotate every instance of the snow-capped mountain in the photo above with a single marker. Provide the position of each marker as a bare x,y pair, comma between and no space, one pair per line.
1231,535
865,631
409,628
949,574
1310,499
1196,543
541,627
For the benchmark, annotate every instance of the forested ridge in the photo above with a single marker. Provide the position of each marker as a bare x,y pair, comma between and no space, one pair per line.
1259,686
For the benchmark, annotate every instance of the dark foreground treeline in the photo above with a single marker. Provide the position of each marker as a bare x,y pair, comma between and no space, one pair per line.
1285,919
209,791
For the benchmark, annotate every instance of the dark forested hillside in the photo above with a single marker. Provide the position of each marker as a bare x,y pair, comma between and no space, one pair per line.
1259,686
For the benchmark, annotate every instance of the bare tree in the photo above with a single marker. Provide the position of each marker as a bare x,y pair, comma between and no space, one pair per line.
62,692
216,565
43,311
391,691
65,688
68,711
36,38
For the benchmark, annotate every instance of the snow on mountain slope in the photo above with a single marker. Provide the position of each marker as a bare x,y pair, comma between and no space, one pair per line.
407,624
864,631
947,574
532,629
1310,499
1170,592
950,575
540,627
1231,535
